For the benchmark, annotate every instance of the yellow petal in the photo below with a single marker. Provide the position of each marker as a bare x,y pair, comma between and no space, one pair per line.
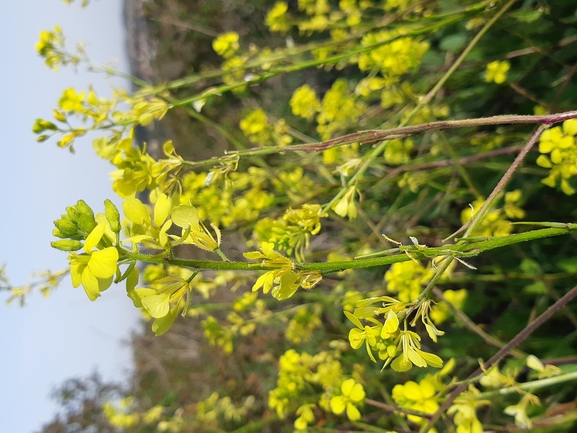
162,209
90,284
136,212
156,305
338,404
184,216
352,412
93,238
103,263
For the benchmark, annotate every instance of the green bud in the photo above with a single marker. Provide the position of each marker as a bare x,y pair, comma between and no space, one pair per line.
86,223
112,215
84,209
72,213
67,245
42,138
42,125
59,115
66,227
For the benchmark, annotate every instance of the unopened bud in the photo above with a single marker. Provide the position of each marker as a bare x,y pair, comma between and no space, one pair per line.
112,215
67,245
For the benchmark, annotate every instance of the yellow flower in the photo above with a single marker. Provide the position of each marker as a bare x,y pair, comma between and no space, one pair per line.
282,274
352,394
151,232
363,334
276,19
226,45
72,101
559,149
304,102
346,206
164,299
193,230
411,353
416,396
497,72
94,270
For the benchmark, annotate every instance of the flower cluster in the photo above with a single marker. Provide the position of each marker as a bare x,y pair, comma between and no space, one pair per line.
276,19
391,55
138,171
51,47
235,198
304,102
396,346
559,153
298,371
397,152
292,232
95,267
257,128
226,45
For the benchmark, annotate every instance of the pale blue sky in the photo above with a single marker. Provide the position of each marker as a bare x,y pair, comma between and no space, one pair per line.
65,335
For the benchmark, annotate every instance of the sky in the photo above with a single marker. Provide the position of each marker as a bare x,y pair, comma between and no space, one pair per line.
63,336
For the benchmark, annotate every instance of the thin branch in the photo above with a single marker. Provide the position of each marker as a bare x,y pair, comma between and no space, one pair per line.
518,339
373,136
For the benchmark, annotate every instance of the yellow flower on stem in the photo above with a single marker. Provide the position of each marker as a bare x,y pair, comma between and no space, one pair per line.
411,354
165,299
193,230
286,280
363,334
147,230
94,269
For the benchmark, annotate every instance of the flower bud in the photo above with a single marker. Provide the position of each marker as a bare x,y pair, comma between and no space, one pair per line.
59,115
112,215
66,245
65,227
42,125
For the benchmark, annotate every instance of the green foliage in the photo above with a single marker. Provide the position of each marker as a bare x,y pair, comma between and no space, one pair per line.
363,122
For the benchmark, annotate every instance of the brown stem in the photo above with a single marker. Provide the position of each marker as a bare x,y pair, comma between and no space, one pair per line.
376,135
518,339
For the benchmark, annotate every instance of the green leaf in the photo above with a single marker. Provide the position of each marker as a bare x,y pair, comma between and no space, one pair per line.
453,43
526,16
536,288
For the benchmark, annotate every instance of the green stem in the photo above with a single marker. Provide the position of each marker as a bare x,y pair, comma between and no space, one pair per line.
529,386
330,267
